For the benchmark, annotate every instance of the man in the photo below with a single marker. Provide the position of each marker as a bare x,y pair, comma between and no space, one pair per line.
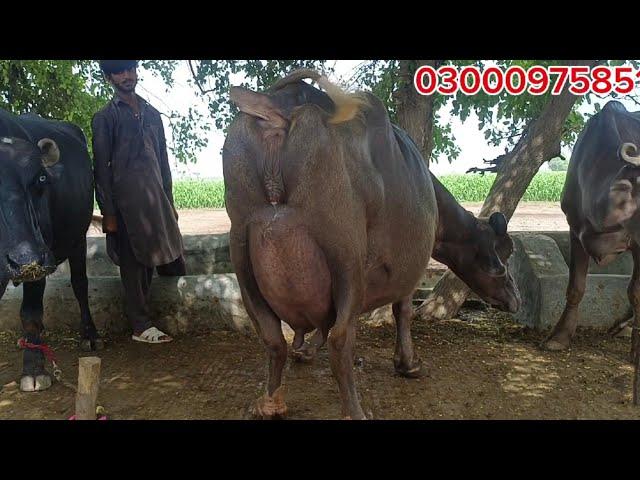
134,193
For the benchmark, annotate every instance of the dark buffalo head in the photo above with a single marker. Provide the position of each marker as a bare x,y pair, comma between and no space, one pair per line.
26,172
479,258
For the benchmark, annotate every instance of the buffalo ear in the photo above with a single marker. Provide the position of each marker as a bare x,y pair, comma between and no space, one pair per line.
622,203
258,105
499,223
50,152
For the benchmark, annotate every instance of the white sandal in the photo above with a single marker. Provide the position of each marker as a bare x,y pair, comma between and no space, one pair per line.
152,335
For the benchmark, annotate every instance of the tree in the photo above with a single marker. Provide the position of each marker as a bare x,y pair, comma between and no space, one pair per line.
415,112
540,141
534,126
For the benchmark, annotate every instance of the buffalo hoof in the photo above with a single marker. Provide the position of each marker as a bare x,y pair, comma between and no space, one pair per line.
624,332
621,329
632,356
38,383
555,345
358,415
271,407
90,345
306,354
414,370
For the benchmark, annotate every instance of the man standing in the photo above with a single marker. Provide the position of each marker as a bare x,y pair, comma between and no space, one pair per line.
134,193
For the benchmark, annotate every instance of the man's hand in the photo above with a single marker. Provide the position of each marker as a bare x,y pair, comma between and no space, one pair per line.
109,224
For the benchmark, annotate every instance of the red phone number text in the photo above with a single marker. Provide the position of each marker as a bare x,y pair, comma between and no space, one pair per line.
516,80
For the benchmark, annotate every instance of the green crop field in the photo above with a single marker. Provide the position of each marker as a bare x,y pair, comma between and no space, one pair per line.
198,193
545,187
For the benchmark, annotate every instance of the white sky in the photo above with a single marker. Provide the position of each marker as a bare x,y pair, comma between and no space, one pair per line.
473,146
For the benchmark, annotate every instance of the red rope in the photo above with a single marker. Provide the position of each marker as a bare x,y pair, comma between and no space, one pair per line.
44,348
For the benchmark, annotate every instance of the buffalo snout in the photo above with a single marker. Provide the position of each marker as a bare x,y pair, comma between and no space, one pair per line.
26,263
510,300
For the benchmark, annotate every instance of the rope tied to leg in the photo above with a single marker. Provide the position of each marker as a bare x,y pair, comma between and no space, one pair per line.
43,347
46,350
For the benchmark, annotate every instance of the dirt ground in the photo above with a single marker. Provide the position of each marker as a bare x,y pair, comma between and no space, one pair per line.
480,365
528,216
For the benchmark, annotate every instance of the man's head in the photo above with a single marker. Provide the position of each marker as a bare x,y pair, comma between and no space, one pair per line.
121,74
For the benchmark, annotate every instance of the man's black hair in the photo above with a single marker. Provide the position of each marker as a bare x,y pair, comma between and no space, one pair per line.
116,66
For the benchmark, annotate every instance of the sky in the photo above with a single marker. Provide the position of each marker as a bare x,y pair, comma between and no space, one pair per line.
473,146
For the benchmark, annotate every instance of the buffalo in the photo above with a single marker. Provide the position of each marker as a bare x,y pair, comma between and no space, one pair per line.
334,213
46,206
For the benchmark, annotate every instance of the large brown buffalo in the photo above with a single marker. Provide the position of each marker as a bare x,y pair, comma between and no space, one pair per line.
333,214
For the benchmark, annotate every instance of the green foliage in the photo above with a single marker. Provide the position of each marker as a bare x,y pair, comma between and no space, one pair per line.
69,90
500,117
73,90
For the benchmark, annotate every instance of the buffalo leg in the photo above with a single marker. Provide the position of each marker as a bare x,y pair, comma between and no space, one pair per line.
634,299
272,403
633,291
3,287
89,338
305,351
342,342
405,360
565,329
267,324
621,325
34,376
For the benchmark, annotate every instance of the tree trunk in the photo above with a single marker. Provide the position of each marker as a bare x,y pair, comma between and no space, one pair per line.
539,143
415,111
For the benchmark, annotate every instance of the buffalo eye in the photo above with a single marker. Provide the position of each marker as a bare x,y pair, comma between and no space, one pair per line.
40,183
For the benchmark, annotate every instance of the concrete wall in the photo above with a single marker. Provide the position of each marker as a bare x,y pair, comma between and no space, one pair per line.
178,304
540,268
208,298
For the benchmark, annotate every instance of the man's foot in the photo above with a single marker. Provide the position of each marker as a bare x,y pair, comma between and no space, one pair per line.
151,335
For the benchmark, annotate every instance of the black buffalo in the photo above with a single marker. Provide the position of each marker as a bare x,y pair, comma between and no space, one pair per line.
46,205
600,200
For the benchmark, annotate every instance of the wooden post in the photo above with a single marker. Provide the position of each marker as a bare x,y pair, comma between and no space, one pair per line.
88,382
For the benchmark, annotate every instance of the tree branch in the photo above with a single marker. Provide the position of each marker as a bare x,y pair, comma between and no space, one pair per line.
634,99
195,79
539,143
